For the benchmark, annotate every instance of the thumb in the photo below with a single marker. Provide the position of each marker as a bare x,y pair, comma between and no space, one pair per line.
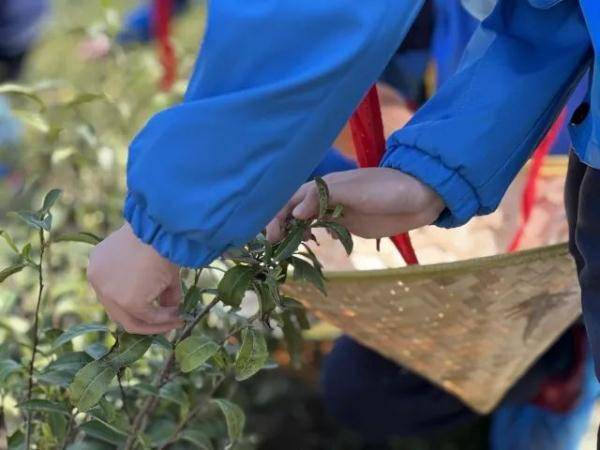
172,295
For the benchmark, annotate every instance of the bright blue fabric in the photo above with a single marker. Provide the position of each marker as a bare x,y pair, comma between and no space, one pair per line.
470,140
527,427
262,108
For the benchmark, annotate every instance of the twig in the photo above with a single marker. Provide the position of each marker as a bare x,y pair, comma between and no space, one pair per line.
149,405
40,268
124,397
191,415
68,431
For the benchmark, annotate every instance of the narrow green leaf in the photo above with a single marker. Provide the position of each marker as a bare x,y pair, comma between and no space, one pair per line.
34,119
323,191
293,338
78,330
131,348
26,251
234,417
7,368
84,97
192,297
290,244
16,441
49,200
44,405
266,299
11,270
337,211
61,371
90,384
194,351
83,237
234,285
103,431
341,233
252,356
196,437
32,219
304,272
9,240
24,91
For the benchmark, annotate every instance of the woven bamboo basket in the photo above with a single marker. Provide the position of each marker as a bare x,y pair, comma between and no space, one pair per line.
470,324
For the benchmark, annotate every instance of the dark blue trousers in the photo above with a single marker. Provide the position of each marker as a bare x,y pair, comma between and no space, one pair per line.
582,199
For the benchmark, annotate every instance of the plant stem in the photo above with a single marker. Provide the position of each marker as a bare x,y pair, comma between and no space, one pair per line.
124,397
149,405
40,269
66,440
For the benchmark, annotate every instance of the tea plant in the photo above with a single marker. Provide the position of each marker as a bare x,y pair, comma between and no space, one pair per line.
93,386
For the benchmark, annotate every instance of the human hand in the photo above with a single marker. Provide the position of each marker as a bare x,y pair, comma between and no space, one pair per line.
378,202
139,289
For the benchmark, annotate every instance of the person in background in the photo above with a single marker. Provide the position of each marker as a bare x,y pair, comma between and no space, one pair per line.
288,96
19,30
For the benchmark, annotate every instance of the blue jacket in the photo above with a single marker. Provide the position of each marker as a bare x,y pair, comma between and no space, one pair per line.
277,79
20,24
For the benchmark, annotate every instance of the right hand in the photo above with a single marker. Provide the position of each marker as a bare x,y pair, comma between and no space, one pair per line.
378,202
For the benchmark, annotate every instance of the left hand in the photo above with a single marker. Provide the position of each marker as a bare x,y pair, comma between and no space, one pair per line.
139,288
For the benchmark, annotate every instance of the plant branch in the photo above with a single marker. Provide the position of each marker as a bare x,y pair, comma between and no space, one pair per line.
36,322
149,405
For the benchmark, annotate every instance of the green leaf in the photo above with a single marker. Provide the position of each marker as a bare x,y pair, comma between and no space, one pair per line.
34,220
196,437
44,405
175,393
266,298
234,285
49,200
162,341
7,237
341,233
7,368
86,238
290,244
97,350
26,251
103,431
337,211
252,356
131,348
62,371
297,310
234,417
90,445
11,270
192,297
293,338
90,384
194,351
78,330
33,119
24,91
304,272
323,191
16,441
84,97
145,388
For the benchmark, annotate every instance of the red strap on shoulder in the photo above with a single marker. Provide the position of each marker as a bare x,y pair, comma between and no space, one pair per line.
369,141
161,21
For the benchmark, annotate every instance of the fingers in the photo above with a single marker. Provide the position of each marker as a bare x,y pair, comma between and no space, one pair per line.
172,295
133,324
276,227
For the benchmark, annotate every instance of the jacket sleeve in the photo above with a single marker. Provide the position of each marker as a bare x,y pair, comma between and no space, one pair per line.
274,83
470,140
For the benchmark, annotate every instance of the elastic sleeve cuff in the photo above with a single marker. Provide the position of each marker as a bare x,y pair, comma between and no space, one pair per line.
176,248
458,194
